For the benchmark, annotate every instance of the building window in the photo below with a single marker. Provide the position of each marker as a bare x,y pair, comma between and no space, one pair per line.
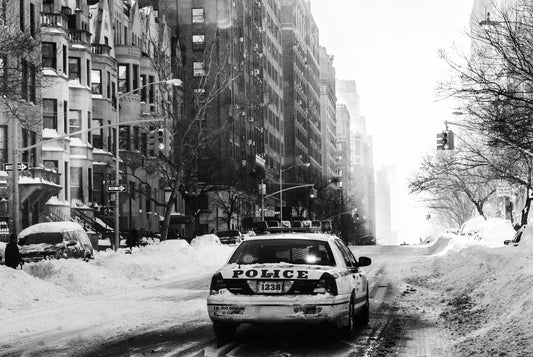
76,183
151,90
135,75
89,132
109,84
198,42
123,78
50,114
74,68
125,138
198,69
198,16
51,165
98,135
4,153
32,20
65,59
143,88
49,55
65,116
96,81
88,73
74,121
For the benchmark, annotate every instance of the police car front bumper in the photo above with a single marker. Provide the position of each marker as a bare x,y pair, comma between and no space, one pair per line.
232,308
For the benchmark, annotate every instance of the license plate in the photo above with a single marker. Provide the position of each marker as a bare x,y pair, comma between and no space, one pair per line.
270,287
223,310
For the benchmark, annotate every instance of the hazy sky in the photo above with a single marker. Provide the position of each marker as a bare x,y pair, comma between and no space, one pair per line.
390,48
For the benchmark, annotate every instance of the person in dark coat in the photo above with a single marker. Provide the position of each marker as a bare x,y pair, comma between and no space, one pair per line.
12,254
133,239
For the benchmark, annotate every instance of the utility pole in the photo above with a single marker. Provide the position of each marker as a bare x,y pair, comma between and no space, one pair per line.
16,195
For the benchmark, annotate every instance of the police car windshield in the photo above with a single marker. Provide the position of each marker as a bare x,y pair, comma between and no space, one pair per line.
292,251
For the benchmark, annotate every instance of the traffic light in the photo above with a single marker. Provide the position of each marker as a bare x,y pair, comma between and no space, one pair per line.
445,140
314,193
152,146
164,142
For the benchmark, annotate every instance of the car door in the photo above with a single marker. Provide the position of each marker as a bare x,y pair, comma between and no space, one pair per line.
350,275
357,278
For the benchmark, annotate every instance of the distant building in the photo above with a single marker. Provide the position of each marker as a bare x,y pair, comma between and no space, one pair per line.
384,234
362,188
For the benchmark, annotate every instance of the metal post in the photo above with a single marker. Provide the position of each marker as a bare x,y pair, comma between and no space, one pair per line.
16,195
280,195
117,176
262,201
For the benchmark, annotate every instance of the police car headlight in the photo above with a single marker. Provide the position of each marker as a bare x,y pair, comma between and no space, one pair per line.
326,284
217,283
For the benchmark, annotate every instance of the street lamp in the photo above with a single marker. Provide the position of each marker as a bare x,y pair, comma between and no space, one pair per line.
281,171
174,82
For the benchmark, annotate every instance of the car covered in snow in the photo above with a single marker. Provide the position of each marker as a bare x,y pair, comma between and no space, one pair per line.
290,277
54,240
230,237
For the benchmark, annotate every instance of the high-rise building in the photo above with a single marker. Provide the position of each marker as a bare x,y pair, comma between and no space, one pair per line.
342,141
301,98
328,102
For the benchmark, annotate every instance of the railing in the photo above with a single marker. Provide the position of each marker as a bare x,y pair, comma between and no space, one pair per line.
79,36
52,19
99,49
54,215
42,174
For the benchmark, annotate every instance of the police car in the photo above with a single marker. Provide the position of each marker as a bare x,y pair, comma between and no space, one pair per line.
291,277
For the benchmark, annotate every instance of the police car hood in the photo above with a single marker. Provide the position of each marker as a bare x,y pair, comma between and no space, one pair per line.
280,271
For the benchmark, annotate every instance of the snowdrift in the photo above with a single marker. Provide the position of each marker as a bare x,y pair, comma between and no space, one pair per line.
50,282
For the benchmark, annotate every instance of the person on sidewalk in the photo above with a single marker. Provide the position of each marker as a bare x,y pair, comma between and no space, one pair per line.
12,254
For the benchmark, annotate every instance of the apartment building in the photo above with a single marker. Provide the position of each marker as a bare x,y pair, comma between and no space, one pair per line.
95,58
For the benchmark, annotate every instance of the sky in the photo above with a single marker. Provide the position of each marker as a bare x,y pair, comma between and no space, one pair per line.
391,49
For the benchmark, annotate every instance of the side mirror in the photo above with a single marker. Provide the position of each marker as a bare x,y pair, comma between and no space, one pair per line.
364,261
506,242
71,243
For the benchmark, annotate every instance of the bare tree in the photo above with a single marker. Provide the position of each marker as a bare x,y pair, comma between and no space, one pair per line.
446,174
177,168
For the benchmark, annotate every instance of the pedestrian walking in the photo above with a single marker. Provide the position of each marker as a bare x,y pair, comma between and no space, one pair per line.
12,254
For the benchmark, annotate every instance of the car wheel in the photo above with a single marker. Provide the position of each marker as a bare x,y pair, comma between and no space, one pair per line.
364,316
348,330
224,332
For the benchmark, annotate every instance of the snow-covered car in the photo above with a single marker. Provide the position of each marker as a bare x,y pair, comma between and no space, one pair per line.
51,240
230,237
290,277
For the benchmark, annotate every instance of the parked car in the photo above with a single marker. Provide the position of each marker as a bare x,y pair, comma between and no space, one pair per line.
248,234
230,237
517,237
54,240
290,278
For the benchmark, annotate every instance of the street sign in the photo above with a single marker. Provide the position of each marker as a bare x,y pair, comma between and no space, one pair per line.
116,188
20,165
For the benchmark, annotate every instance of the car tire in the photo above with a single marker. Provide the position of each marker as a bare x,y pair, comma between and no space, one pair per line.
224,332
348,330
364,315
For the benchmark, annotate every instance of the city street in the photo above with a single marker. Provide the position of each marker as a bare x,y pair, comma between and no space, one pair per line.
398,324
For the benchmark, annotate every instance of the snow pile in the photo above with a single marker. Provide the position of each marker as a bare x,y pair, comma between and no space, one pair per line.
206,239
486,289
49,282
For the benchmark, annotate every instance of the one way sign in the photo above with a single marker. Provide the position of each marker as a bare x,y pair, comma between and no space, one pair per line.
116,188
8,166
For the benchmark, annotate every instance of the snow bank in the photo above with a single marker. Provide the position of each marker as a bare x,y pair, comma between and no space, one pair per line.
47,283
206,239
488,288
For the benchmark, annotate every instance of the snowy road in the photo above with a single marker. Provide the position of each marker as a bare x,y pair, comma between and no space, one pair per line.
170,319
